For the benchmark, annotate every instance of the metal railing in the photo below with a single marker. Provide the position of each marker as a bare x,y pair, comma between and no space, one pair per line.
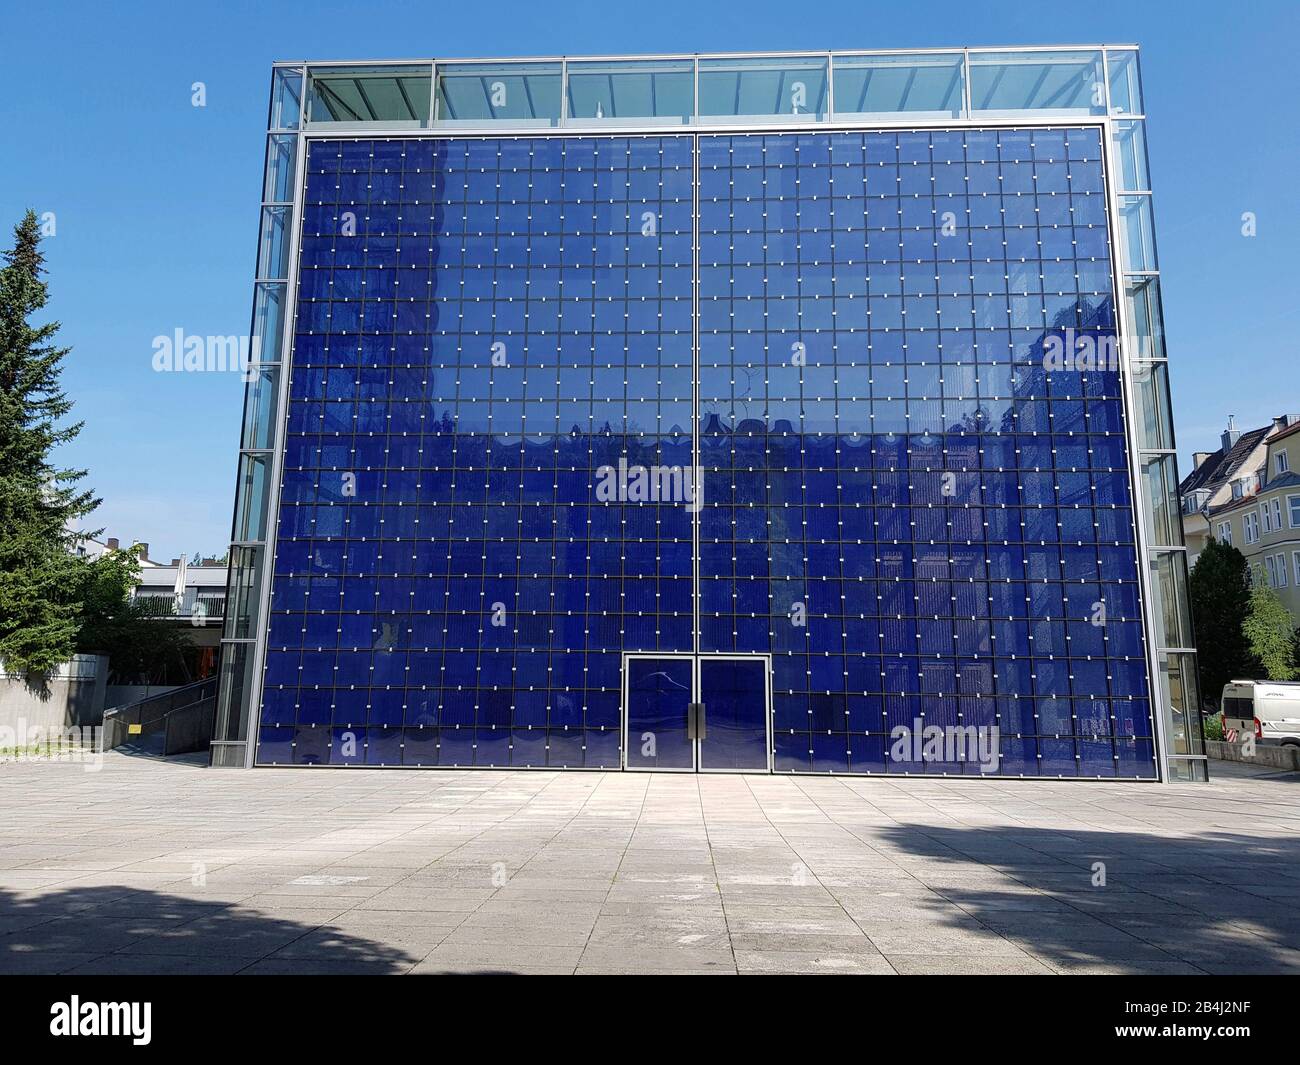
207,604
182,717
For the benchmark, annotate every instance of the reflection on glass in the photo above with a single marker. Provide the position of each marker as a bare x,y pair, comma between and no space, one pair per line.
611,92
244,591
251,497
826,419
1131,150
1063,83
734,694
1146,322
286,102
281,153
260,399
273,247
757,88
893,84
477,92
1154,419
1180,687
232,688
1125,82
1138,233
394,95
659,692
268,321
1168,573
1160,476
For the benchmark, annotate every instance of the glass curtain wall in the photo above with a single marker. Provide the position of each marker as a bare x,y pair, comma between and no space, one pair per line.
925,519
487,327
460,563
257,437
903,504
1144,342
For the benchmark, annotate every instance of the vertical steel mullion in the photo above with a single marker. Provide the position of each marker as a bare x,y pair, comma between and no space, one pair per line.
625,670
433,92
1105,81
830,86
564,91
697,697
965,84
698,472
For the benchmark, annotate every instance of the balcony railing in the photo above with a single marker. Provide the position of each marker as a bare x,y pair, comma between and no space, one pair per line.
193,603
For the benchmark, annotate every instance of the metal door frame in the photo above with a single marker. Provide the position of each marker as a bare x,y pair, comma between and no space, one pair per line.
695,660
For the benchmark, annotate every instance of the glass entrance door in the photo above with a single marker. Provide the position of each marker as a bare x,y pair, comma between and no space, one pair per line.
707,714
657,700
733,692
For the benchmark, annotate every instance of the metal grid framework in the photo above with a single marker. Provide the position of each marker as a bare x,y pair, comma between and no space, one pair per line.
1115,109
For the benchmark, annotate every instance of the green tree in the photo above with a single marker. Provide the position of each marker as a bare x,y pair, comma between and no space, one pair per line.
40,503
140,648
1219,593
1268,628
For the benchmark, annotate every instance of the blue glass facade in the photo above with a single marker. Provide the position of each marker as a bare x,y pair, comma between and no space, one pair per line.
903,509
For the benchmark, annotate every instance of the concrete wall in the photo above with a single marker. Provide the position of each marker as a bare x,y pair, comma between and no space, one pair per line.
1273,756
73,694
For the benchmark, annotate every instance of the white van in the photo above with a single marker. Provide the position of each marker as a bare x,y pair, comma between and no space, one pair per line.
1269,709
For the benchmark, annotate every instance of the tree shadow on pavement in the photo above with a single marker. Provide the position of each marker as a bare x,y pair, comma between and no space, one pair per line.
114,929
1216,902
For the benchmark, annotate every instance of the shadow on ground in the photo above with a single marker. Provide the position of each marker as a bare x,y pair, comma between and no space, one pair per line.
121,930
1217,902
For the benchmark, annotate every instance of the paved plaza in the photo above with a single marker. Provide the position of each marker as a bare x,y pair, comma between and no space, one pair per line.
150,867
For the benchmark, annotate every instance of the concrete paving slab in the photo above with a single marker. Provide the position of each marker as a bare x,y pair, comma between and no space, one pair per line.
320,871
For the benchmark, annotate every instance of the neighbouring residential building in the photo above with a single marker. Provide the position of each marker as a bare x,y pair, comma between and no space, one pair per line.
1247,494
710,413
182,592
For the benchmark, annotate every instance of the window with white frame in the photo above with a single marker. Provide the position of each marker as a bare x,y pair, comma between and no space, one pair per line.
1295,558
1280,566
1263,513
1281,463
1270,566
1293,506
1225,530
1251,521
1275,505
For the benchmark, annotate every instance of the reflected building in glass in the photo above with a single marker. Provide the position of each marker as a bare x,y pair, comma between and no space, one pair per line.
781,413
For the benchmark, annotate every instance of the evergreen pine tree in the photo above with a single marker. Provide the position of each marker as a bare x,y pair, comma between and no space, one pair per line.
40,575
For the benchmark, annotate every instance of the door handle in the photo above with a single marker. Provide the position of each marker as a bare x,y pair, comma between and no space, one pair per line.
695,727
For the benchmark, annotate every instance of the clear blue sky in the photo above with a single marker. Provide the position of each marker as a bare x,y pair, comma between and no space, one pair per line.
156,201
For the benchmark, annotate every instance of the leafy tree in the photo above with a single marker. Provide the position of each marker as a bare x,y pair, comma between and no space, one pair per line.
40,503
140,647
1268,628
1219,593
